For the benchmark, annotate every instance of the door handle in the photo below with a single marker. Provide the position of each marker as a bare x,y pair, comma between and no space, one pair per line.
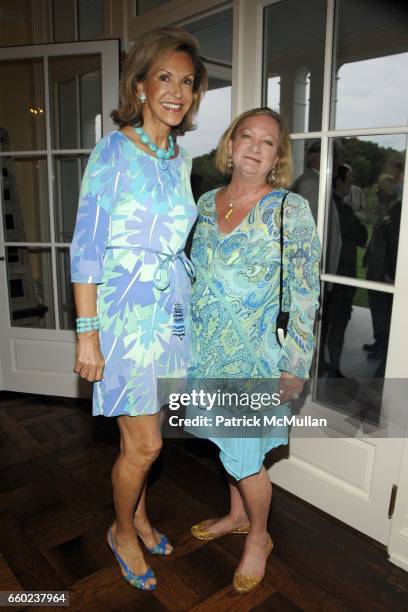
2,259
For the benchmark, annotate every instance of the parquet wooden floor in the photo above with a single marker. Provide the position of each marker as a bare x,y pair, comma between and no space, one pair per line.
55,508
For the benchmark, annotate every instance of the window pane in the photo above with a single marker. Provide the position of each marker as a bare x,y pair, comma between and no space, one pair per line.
90,91
213,119
66,300
25,199
91,19
30,287
365,207
306,171
75,98
370,86
214,35
68,171
294,45
22,108
353,349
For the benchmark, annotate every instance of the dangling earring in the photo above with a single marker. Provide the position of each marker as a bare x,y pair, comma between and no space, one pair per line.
272,175
142,97
229,163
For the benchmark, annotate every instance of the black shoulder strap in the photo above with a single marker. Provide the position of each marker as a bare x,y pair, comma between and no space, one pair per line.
281,252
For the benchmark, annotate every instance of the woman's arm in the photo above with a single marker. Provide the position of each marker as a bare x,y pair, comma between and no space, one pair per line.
301,292
89,362
100,185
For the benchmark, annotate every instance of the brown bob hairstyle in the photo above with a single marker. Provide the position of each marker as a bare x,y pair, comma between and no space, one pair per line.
284,165
153,47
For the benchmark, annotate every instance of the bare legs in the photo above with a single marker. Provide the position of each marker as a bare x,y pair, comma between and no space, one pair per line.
142,524
250,501
139,447
256,492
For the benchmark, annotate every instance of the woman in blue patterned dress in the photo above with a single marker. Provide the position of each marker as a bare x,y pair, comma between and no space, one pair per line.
235,302
131,278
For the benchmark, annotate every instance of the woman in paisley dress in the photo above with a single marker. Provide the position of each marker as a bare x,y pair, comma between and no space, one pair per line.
235,303
130,273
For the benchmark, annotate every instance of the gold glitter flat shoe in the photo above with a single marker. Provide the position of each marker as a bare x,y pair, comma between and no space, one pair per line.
201,532
245,584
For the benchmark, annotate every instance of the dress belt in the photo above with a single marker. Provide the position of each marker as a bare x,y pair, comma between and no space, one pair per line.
161,277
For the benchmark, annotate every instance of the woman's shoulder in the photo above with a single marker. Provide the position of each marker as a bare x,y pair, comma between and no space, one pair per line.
115,136
184,154
108,147
210,195
290,199
207,199
298,207
294,199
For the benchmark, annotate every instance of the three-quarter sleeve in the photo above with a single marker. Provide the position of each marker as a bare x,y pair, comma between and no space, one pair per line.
99,189
301,261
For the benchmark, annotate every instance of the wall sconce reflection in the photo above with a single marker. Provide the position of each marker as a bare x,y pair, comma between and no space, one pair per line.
36,110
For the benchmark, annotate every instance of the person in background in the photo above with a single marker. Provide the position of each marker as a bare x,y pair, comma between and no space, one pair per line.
354,195
347,232
380,260
131,278
307,184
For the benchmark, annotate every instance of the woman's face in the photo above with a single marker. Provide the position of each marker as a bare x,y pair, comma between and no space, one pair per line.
254,148
168,89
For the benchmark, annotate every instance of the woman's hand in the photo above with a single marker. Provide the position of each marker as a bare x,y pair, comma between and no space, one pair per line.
289,387
89,362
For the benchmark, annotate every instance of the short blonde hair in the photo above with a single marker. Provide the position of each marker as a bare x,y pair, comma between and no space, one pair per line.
156,45
284,167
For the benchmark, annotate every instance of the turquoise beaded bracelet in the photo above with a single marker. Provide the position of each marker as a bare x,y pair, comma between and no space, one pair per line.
85,324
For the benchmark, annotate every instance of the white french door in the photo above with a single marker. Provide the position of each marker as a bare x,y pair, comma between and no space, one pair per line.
319,63
56,103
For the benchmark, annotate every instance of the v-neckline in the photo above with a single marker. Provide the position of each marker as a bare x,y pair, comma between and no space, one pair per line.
225,234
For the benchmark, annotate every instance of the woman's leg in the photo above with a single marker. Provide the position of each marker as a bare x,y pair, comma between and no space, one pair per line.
256,492
142,524
236,517
139,446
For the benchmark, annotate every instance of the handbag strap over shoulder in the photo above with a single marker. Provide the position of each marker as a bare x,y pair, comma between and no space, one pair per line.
281,252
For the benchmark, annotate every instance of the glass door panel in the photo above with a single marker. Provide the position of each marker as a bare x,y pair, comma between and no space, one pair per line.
51,118
76,101
22,107
353,350
90,108
306,171
66,305
25,199
370,87
68,171
29,275
214,34
364,208
294,47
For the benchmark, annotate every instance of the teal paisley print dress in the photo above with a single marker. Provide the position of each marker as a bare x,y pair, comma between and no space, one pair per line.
134,216
235,302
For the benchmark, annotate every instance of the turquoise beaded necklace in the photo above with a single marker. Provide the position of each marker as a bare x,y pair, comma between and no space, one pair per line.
160,153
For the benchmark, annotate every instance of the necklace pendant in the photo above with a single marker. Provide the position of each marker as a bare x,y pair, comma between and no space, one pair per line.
229,211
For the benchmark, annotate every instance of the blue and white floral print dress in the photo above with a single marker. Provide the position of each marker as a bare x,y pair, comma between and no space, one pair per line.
135,213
